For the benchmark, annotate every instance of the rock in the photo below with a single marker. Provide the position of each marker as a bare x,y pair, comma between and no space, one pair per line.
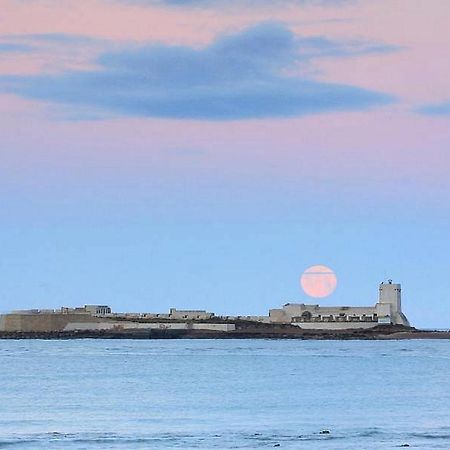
325,432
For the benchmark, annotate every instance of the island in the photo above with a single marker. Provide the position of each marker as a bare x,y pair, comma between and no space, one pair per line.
384,320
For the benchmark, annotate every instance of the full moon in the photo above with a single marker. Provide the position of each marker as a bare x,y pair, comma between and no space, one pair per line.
318,281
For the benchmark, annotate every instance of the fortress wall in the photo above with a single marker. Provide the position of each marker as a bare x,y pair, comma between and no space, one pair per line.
71,322
262,319
41,322
214,326
384,309
122,325
297,310
278,316
72,326
335,325
349,310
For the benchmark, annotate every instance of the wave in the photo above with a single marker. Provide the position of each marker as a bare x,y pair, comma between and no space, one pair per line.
361,438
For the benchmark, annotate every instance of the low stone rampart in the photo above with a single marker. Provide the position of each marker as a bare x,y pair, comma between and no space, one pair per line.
42,322
335,325
122,325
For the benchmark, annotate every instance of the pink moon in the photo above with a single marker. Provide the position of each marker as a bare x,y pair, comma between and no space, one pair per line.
318,281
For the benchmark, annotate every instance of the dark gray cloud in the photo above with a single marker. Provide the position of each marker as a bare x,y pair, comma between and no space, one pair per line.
236,77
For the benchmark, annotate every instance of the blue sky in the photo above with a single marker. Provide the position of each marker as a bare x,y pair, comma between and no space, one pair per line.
194,155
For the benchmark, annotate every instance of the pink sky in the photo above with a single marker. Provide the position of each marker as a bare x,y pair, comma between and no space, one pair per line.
123,206
418,73
377,144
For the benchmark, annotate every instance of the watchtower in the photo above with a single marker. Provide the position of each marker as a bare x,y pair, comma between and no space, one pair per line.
391,294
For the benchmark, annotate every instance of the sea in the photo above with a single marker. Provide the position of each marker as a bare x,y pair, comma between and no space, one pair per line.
224,394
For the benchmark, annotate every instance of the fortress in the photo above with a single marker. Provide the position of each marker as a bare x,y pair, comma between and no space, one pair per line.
387,311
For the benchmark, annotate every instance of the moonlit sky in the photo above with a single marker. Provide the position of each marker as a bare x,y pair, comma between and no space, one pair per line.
202,154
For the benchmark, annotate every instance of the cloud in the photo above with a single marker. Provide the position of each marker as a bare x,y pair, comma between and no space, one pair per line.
228,3
439,109
29,42
238,76
58,38
317,47
12,47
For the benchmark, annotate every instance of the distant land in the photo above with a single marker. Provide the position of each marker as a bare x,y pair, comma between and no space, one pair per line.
385,320
243,330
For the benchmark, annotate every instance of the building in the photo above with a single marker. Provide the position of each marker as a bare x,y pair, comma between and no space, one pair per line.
93,310
388,311
97,310
193,314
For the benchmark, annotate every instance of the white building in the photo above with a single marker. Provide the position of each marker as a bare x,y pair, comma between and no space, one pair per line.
386,311
93,310
193,314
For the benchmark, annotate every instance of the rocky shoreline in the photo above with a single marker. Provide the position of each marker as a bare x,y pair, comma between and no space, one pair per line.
243,331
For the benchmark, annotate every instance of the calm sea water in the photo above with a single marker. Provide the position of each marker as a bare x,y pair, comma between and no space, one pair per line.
221,394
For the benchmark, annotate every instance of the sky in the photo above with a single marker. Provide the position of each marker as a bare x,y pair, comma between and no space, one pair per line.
201,154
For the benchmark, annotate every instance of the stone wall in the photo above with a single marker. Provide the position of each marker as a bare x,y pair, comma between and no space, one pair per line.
293,312
335,325
72,326
190,314
41,322
72,322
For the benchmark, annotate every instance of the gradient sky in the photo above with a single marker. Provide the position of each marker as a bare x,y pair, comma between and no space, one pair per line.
204,153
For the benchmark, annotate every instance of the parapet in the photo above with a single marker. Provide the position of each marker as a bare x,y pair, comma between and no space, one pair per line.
190,314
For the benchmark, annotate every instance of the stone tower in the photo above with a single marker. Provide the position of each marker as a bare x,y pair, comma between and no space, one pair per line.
391,294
